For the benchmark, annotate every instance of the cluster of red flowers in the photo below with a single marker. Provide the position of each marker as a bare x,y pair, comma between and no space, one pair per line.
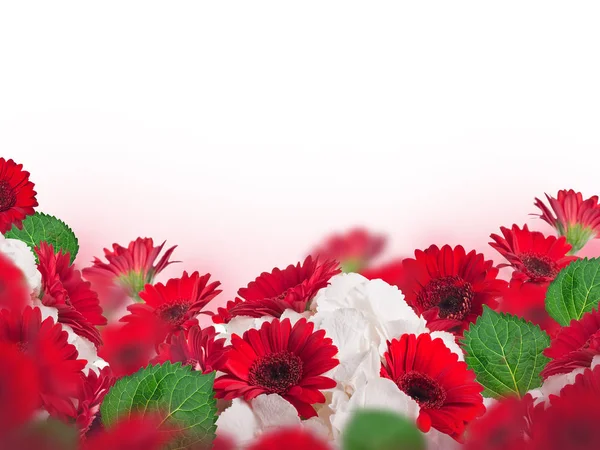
47,372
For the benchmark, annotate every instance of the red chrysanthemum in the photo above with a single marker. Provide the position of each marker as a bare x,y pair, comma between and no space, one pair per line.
571,421
574,346
63,288
176,305
45,342
295,438
572,216
128,348
132,433
504,426
196,347
528,300
14,290
279,359
354,249
19,388
431,374
449,287
128,269
534,257
17,197
272,293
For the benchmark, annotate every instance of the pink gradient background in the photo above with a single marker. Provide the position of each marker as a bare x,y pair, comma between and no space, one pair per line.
247,133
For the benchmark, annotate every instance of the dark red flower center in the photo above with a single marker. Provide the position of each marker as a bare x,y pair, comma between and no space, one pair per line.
194,363
8,198
282,296
276,372
452,295
538,266
593,343
174,313
423,389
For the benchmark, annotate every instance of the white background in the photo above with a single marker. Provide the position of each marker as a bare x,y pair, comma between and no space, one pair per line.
246,131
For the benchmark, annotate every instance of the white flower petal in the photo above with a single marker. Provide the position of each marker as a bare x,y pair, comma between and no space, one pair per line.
336,295
238,422
436,440
272,411
380,393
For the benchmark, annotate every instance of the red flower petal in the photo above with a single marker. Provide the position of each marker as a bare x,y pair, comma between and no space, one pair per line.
45,342
290,439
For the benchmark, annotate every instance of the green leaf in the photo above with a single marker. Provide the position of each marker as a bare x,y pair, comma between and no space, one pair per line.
185,397
575,291
381,430
505,352
41,227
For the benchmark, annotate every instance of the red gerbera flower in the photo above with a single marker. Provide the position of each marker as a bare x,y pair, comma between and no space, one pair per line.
291,439
574,346
354,249
175,304
129,268
528,300
128,348
432,375
19,395
133,432
571,421
272,293
572,216
534,257
17,197
14,290
279,359
449,287
78,306
196,347
87,403
504,426
45,342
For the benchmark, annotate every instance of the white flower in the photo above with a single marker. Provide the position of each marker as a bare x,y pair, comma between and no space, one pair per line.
379,393
382,305
243,421
357,342
19,253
